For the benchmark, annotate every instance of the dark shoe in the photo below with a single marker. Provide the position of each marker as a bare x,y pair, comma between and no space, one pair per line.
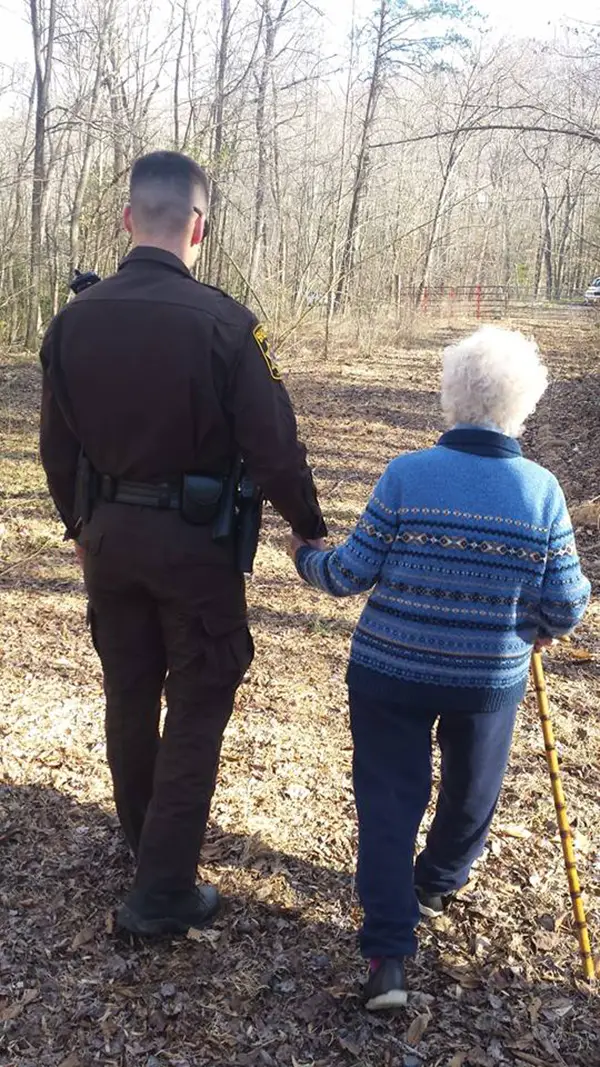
385,988
432,905
154,916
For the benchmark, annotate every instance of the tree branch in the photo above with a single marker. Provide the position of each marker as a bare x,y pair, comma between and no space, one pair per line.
519,127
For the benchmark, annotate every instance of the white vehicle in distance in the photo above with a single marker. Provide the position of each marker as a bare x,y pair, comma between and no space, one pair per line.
592,293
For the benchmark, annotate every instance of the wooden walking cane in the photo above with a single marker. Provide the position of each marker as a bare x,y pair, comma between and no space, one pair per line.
566,836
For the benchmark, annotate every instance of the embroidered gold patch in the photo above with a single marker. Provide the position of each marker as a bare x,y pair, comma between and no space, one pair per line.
262,341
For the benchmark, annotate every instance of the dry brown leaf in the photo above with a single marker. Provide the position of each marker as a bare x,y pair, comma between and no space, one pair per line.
265,892
520,833
587,514
72,1060
534,1010
582,843
110,923
458,1059
581,655
11,1012
465,978
83,937
417,1028
546,940
551,1049
211,937
349,1046
478,1057
14,1010
528,1057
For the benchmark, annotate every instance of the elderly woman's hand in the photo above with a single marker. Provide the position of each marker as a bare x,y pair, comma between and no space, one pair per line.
542,643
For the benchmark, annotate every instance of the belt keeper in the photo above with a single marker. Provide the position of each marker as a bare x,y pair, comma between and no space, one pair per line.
109,488
164,496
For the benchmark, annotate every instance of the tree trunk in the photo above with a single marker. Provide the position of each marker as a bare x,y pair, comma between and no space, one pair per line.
537,270
219,140
332,258
177,79
86,163
259,235
362,163
577,278
435,224
43,55
547,241
506,253
571,200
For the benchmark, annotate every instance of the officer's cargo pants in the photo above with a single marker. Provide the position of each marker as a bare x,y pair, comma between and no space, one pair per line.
168,612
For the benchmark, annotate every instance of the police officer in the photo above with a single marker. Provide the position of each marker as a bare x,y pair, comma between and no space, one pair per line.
153,377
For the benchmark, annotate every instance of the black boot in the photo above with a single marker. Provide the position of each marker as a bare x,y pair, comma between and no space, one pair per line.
153,915
432,905
386,987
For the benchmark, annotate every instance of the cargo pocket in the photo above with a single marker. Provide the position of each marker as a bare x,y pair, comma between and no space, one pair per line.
231,649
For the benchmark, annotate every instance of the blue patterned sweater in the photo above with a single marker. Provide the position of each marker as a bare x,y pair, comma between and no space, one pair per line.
469,551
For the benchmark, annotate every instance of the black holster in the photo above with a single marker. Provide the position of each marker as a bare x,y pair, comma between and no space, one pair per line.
239,517
225,522
249,519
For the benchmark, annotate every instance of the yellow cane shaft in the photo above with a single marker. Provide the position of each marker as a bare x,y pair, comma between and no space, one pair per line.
561,813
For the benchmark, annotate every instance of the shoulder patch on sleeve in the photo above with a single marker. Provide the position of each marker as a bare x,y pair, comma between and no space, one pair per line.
260,336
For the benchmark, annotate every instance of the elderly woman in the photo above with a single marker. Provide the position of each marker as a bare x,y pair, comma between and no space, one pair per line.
469,554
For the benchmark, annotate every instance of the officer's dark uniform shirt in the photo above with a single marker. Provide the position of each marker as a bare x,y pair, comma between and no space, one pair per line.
163,376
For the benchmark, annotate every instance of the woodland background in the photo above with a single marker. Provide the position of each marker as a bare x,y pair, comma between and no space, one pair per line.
421,153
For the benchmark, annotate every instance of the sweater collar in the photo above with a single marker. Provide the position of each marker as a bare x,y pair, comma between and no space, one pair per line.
480,442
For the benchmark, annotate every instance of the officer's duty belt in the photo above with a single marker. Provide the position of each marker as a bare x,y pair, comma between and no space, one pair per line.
139,494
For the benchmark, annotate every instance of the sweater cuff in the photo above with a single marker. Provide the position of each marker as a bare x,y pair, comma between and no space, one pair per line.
302,558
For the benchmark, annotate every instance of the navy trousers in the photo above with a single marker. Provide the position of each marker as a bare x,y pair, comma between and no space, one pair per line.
392,787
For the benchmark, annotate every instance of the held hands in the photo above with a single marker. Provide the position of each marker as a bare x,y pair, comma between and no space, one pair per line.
295,543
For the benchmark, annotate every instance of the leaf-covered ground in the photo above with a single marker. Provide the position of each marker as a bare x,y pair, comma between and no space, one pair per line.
497,979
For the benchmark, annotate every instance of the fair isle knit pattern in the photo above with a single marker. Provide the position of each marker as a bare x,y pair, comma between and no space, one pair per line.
469,551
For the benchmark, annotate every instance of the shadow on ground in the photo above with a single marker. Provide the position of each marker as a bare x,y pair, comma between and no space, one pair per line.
271,984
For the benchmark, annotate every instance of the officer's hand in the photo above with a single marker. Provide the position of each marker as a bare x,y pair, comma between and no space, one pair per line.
296,542
80,553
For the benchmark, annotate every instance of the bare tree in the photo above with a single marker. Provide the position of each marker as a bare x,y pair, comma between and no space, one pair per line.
216,198
43,29
270,24
399,39
336,183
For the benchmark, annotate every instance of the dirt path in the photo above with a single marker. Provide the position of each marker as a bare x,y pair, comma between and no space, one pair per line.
275,982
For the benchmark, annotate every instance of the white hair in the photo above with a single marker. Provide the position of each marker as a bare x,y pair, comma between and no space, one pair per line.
493,378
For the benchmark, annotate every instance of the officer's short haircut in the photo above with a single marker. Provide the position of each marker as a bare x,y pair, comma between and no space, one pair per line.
164,189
